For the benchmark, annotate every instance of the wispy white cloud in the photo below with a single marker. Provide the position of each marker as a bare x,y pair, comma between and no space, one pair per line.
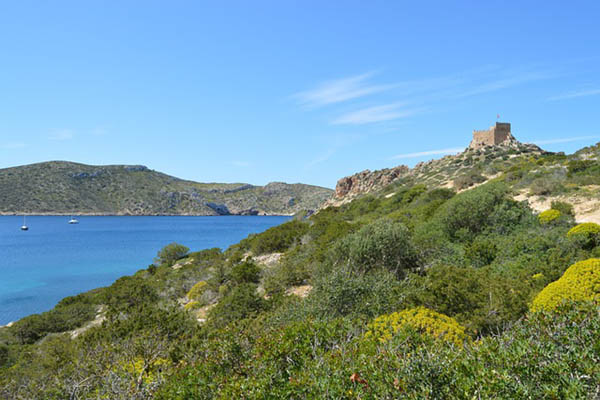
386,112
99,131
240,163
63,134
321,159
511,78
12,145
564,140
428,153
574,94
340,90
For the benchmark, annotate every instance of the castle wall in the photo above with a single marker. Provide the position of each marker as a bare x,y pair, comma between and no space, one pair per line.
491,137
501,132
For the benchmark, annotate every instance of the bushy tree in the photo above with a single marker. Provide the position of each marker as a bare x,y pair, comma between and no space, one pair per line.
246,272
381,244
241,302
171,253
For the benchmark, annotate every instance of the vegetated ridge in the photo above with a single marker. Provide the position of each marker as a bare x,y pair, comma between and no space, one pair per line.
60,187
533,174
440,283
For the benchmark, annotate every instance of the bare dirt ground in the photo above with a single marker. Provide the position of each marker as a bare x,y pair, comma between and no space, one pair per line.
586,204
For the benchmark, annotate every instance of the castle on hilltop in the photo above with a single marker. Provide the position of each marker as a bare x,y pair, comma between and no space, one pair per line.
496,135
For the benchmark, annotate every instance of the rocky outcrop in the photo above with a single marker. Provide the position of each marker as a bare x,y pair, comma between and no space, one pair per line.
368,181
433,173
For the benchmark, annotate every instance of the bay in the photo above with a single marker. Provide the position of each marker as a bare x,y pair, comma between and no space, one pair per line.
55,259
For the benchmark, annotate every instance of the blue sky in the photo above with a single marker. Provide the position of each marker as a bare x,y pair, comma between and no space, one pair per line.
290,91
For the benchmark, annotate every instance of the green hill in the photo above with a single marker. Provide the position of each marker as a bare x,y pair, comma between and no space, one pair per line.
60,187
407,287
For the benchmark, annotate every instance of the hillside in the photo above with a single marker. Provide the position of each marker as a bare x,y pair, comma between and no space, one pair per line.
532,174
433,282
60,187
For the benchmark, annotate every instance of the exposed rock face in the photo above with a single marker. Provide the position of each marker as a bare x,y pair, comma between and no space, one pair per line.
496,142
367,181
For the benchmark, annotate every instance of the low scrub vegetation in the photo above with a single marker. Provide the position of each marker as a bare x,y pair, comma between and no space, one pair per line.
418,294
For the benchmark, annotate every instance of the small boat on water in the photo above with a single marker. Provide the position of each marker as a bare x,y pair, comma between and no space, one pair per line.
24,227
73,220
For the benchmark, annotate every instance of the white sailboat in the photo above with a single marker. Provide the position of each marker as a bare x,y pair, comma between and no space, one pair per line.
24,227
73,220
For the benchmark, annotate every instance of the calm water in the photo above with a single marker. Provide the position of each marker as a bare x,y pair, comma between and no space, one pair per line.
54,259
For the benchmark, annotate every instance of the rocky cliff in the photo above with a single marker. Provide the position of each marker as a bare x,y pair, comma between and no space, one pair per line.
455,171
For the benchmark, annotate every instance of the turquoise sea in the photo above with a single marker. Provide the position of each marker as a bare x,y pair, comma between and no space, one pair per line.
54,259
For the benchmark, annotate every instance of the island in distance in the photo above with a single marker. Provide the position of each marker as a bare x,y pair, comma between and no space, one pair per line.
61,187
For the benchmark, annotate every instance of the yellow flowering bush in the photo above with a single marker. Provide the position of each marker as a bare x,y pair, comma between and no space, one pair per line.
588,233
150,373
197,290
421,319
580,282
191,305
548,216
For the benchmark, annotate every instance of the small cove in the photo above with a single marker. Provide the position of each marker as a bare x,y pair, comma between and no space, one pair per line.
55,259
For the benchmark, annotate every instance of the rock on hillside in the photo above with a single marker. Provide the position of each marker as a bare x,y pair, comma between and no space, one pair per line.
60,187
449,171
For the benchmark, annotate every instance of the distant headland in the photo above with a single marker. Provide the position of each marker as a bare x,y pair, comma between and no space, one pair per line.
65,188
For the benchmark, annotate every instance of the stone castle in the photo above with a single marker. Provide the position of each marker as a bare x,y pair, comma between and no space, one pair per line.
496,135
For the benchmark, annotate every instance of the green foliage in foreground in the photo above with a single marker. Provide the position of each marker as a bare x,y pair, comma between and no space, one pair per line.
474,261
171,253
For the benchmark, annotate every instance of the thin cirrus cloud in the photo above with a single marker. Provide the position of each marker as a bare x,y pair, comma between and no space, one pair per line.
12,145
340,90
64,134
240,163
575,94
386,112
564,140
428,153
511,78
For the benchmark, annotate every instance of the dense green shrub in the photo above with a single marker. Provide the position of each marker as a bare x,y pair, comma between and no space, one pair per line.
171,253
562,206
344,292
70,313
246,272
481,251
580,282
382,244
479,299
471,212
276,239
241,302
577,166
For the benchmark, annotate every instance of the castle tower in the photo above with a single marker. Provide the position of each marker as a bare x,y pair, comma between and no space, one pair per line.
494,136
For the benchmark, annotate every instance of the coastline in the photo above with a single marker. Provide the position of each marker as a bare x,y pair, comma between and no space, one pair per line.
126,214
